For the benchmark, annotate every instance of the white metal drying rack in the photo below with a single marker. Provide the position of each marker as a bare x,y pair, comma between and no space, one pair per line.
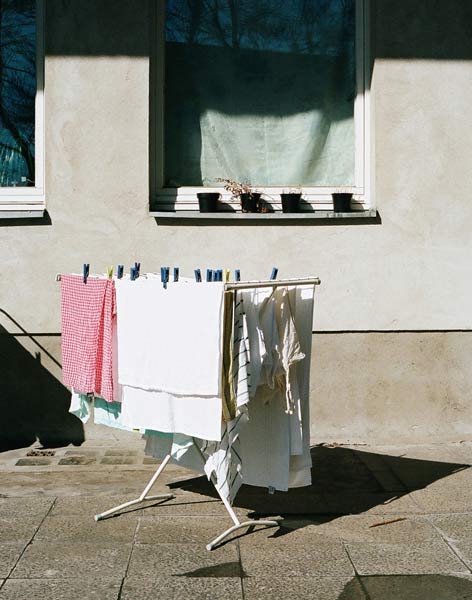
237,285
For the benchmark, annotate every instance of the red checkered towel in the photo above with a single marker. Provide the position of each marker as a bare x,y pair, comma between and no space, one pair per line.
88,310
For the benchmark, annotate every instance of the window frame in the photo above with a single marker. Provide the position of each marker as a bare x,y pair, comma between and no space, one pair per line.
30,201
184,198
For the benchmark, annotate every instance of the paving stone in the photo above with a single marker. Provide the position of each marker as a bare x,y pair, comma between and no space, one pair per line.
182,588
68,589
390,559
37,461
186,504
118,460
302,588
77,460
381,503
328,558
191,560
46,559
79,529
357,528
9,554
464,550
454,527
285,504
121,453
80,452
89,506
16,529
67,482
150,460
448,499
180,530
25,507
418,587
418,473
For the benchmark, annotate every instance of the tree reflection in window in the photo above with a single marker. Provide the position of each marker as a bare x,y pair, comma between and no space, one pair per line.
17,92
260,91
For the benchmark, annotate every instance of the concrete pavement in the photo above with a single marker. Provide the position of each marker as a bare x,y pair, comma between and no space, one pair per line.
378,523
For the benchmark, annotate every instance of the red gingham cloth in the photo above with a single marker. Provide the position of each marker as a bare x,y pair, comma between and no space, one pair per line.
87,311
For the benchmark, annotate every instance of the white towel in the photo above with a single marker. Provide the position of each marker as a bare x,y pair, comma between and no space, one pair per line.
198,416
170,339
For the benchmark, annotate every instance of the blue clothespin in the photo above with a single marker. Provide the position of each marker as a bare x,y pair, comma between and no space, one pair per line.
164,276
85,272
198,275
237,275
167,274
214,275
209,275
137,266
273,275
219,275
176,273
120,271
132,273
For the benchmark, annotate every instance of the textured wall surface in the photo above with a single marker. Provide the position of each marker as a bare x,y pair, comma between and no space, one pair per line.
410,272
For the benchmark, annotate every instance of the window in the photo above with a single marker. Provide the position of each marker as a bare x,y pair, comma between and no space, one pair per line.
21,106
269,92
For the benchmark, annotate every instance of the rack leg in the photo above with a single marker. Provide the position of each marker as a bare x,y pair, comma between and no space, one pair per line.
143,497
251,523
237,523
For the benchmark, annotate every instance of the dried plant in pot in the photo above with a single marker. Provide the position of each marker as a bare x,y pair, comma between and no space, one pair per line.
250,200
291,199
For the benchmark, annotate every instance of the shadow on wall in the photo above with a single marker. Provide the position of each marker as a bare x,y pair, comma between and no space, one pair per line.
33,403
408,587
428,29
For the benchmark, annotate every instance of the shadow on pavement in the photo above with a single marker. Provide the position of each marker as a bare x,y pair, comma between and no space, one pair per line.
345,481
409,587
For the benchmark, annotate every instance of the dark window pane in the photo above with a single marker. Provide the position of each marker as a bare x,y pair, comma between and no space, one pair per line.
17,91
260,91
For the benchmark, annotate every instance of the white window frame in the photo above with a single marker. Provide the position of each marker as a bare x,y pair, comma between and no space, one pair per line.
184,198
30,201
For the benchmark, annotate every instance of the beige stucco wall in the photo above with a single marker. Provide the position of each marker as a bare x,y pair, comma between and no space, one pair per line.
410,272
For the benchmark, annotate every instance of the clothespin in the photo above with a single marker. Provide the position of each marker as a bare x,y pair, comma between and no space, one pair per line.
164,276
132,273
198,275
209,275
226,274
167,274
237,275
85,272
120,271
273,275
214,275
137,266
176,273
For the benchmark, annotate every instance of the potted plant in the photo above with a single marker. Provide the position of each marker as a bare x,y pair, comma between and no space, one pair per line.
342,201
250,200
208,201
291,199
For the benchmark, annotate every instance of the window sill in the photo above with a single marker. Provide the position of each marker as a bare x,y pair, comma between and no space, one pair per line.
36,213
179,215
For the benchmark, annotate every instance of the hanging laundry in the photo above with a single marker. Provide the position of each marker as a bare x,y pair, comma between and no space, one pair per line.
88,311
170,339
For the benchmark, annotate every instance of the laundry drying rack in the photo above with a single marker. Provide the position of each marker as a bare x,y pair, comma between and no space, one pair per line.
237,524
